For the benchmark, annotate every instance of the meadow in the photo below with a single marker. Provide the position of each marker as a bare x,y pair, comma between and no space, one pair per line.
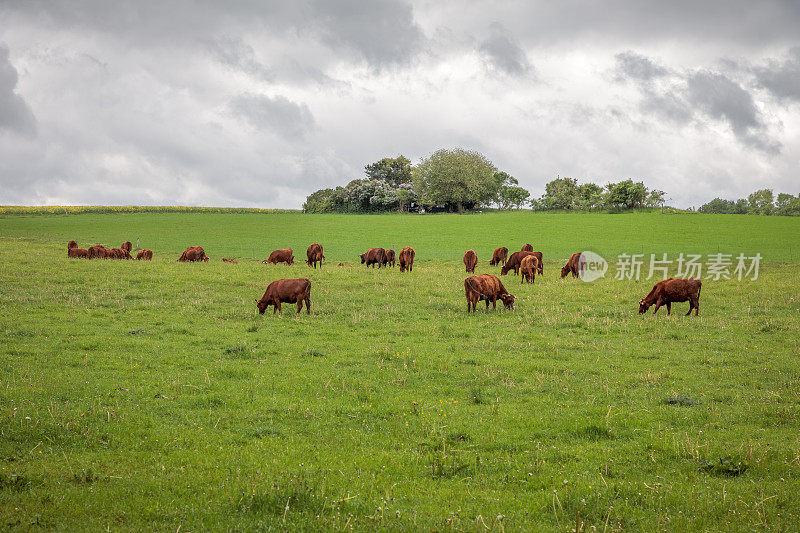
153,396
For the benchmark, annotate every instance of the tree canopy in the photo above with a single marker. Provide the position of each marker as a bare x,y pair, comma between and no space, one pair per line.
455,178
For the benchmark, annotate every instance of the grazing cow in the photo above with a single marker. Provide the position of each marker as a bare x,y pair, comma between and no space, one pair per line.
489,288
74,252
374,256
315,255
406,259
98,251
123,252
514,262
286,291
284,255
574,266
193,253
529,266
226,260
470,260
144,255
500,255
673,290
527,248
388,258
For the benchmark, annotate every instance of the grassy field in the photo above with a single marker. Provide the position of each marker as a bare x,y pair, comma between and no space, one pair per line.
152,396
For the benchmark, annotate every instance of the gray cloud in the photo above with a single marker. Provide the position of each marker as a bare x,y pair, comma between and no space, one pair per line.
279,114
631,65
503,53
238,55
781,78
15,115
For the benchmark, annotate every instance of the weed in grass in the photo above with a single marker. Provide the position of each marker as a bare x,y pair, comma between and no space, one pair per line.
679,399
725,466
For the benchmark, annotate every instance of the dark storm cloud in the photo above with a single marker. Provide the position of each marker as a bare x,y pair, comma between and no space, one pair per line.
721,98
15,115
631,65
503,53
781,78
280,115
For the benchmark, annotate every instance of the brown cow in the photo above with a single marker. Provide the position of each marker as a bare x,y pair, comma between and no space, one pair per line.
527,248
193,253
127,246
673,290
406,259
374,256
489,288
573,266
284,255
388,258
500,255
123,252
226,260
315,254
144,255
98,251
514,262
286,291
470,260
529,266
76,253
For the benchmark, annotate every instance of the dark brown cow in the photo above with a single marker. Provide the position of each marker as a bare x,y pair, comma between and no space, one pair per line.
284,255
286,291
529,266
388,258
76,253
673,290
489,288
406,259
573,266
527,248
226,260
470,260
98,251
144,255
514,262
192,254
315,255
374,256
127,246
500,255
123,252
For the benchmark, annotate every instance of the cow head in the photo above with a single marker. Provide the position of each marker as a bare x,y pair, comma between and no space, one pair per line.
262,306
564,272
363,258
72,244
643,306
504,269
508,301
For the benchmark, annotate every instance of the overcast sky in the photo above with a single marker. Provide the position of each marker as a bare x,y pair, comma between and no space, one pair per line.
259,103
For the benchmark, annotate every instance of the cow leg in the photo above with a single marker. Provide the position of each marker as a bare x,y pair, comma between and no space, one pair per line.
274,309
494,304
658,304
308,300
669,308
697,306
278,306
299,305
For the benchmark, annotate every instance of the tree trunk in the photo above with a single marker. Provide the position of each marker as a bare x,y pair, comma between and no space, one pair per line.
460,208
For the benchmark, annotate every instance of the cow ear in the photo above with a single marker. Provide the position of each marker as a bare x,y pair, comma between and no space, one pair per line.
256,301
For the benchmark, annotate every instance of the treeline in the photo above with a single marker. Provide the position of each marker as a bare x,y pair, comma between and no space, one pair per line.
761,202
455,180
104,209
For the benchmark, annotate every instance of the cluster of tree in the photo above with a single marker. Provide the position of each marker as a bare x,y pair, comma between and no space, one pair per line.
567,194
447,180
761,202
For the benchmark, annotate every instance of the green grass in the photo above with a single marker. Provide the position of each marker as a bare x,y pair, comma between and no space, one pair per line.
148,396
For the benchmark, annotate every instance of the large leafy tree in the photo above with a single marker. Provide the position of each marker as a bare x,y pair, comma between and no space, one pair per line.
509,193
455,177
626,194
761,202
395,171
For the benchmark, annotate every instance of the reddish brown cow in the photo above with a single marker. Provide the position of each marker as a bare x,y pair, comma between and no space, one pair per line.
673,290
500,255
127,246
529,266
527,248
489,288
374,256
573,266
192,254
123,252
98,251
388,258
315,255
406,259
514,262
76,253
144,255
470,260
286,291
284,255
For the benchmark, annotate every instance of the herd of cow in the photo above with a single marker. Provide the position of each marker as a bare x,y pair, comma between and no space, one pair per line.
486,287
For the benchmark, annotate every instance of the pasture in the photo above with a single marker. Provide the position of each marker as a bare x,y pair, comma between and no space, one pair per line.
153,396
